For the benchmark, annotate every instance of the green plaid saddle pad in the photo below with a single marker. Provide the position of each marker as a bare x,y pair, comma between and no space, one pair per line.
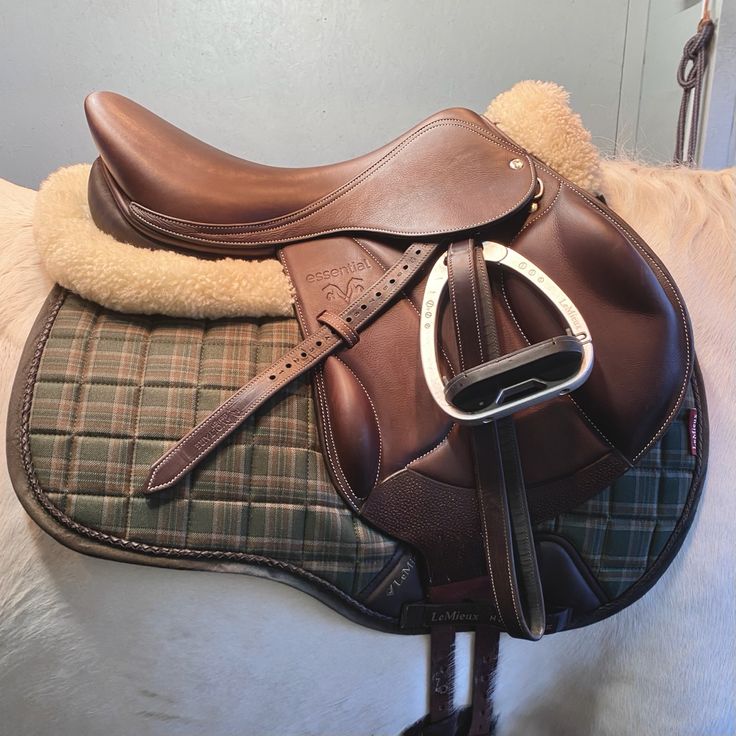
100,395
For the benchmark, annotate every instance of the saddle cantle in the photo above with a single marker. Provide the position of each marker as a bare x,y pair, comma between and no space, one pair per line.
400,429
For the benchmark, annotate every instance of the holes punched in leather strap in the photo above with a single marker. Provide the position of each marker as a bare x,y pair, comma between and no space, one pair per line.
441,672
189,451
485,661
340,326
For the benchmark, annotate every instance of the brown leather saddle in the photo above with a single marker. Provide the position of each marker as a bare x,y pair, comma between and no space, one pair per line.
490,346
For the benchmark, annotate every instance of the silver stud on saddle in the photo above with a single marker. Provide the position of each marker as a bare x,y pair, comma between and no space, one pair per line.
515,381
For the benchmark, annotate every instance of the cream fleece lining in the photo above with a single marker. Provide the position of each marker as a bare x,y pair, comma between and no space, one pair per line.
126,278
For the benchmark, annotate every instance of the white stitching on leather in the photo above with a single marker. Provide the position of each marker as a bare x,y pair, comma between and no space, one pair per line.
349,185
533,220
326,335
404,296
331,448
456,320
487,547
633,240
300,315
142,212
375,414
333,462
272,388
473,284
506,514
510,309
587,419
433,449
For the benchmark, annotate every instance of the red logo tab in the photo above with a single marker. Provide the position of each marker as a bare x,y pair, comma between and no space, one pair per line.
692,425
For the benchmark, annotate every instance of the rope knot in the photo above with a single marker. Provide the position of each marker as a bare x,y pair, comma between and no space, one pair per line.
694,52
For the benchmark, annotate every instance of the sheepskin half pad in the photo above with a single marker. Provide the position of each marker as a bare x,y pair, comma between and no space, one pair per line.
91,263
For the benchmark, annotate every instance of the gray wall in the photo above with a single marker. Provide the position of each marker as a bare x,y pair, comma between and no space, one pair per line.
649,132
298,82
718,145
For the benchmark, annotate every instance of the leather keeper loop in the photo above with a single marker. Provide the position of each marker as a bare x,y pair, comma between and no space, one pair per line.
340,326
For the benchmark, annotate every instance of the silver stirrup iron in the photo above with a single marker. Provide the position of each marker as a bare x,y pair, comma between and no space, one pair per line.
525,388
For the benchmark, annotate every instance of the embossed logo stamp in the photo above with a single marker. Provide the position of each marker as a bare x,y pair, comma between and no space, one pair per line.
401,578
350,292
343,283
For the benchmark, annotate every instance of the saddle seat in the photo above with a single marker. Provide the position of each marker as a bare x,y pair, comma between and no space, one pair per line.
448,174
167,169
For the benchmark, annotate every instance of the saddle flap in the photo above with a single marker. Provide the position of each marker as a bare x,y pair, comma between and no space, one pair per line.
570,447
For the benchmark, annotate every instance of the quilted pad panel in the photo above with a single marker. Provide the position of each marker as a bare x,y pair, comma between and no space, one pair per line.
622,530
114,391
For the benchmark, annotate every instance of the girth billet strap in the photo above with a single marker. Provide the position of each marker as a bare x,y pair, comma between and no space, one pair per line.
336,332
485,664
441,673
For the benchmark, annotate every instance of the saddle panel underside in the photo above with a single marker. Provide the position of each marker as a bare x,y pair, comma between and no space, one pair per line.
99,393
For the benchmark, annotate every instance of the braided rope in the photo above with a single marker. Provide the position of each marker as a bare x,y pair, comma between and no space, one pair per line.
695,52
